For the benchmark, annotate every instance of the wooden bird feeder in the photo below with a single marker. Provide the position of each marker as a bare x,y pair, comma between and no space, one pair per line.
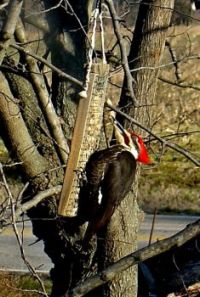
85,138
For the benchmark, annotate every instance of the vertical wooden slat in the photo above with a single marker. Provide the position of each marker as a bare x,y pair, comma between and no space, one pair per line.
85,138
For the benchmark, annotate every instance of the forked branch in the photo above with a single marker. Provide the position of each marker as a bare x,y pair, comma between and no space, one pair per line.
44,98
48,64
18,237
24,207
108,274
8,29
18,134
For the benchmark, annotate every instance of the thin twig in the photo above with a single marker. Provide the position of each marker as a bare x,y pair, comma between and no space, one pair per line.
36,199
122,46
180,85
180,276
22,208
51,66
15,229
24,290
152,226
44,98
46,10
19,197
175,61
178,134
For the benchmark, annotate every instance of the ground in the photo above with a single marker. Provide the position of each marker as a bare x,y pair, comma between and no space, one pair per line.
21,285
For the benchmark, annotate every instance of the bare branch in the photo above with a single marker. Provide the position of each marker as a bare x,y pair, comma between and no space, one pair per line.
25,290
39,23
180,134
44,98
3,5
175,61
37,199
23,208
51,66
47,10
15,229
177,240
8,29
122,46
76,17
160,139
180,85
22,144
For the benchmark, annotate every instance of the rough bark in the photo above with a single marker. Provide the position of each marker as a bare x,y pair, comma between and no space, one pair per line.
22,89
146,51
44,99
8,29
145,55
20,140
67,47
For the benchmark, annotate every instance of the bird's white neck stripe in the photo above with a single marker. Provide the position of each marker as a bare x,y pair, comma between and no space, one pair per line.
193,6
100,196
134,152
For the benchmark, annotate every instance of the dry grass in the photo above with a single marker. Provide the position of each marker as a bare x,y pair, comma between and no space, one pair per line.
173,184
21,285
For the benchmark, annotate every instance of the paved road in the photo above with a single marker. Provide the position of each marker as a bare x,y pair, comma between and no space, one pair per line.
165,226
10,259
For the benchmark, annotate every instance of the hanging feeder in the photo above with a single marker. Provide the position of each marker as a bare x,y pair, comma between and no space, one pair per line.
87,130
85,138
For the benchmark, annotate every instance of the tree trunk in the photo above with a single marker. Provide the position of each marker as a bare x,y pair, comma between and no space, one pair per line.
144,59
145,55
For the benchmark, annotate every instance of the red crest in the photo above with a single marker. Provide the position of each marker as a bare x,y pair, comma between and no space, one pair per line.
143,156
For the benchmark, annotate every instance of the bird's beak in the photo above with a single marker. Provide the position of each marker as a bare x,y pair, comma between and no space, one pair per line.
119,126
118,132
122,136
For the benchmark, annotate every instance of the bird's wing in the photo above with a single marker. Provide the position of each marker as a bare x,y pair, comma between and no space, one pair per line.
115,184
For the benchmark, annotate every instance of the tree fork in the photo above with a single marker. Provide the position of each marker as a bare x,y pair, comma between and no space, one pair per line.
19,137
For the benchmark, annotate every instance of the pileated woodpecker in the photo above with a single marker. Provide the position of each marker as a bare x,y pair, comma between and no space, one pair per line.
110,174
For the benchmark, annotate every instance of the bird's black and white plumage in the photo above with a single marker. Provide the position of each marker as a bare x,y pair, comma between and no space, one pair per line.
195,4
110,174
